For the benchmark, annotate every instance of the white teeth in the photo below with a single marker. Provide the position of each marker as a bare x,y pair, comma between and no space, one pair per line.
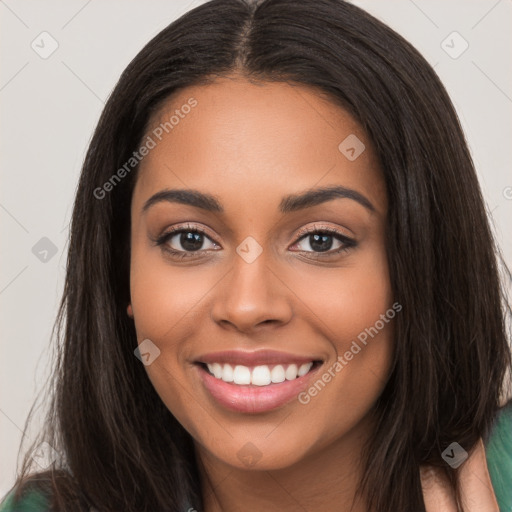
216,369
291,372
277,374
304,368
259,375
241,375
227,373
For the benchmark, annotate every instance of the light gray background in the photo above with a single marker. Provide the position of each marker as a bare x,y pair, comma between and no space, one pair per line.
50,106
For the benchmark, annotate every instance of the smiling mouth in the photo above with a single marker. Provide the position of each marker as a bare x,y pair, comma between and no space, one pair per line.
251,390
258,375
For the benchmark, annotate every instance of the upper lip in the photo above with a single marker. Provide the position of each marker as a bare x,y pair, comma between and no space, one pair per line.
254,358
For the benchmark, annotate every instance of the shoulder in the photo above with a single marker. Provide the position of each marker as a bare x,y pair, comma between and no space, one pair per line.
498,451
40,492
30,501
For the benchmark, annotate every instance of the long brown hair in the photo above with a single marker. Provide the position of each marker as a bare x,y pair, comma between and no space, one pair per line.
121,448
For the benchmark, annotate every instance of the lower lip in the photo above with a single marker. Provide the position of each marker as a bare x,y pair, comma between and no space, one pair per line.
254,399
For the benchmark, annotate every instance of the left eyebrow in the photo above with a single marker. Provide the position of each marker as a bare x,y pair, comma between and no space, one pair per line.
317,196
288,204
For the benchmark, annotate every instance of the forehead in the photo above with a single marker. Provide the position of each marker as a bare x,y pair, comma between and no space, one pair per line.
245,140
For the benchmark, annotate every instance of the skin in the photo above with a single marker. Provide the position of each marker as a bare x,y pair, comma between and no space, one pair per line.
249,145
476,486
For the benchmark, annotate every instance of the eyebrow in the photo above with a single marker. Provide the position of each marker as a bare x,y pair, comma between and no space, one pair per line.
288,204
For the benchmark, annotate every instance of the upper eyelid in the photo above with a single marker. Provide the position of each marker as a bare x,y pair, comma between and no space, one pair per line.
314,229
302,233
180,229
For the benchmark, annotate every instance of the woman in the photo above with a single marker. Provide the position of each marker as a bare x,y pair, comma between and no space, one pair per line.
282,291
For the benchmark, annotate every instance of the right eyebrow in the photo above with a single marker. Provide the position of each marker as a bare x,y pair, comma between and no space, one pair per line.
185,196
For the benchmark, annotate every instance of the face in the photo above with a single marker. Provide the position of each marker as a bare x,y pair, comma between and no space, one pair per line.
261,265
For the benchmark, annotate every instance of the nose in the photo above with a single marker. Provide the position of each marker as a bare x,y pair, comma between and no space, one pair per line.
252,296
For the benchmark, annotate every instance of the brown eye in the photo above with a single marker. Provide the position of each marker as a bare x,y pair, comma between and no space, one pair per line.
184,241
187,240
327,241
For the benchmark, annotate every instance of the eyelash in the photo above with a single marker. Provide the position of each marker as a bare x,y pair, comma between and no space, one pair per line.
348,243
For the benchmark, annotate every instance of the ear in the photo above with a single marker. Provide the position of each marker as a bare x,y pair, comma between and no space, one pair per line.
129,311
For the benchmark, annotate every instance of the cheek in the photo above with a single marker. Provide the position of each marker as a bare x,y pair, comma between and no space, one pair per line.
165,301
165,298
349,299
354,310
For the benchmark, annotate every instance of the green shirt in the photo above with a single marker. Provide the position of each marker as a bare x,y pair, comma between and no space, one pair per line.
498,451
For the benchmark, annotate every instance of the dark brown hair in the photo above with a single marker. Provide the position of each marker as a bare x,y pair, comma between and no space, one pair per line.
122,449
